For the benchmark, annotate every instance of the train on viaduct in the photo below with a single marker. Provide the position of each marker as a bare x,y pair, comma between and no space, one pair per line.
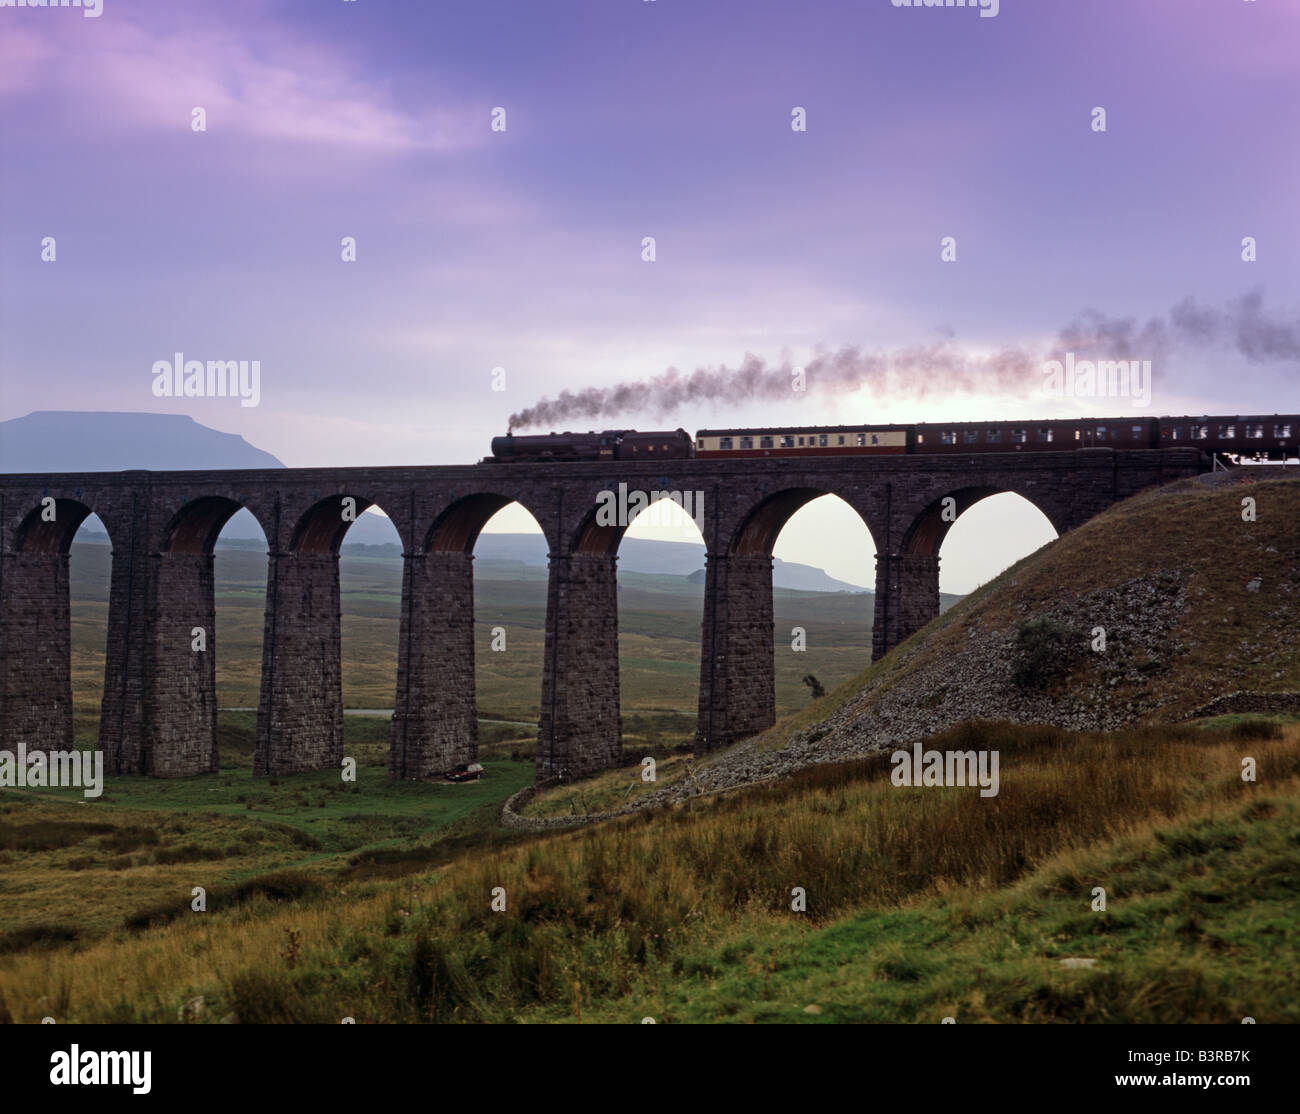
159,712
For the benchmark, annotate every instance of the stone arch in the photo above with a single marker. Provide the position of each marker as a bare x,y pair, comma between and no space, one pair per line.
195,527
435,716
907,579
594,538
36,535
925,534
737,662
757,532
457,528
587,608
181,687
828,641
300,708
322,526
989,538
907,591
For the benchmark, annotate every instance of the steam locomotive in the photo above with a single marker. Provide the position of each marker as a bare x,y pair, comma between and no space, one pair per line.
1253,437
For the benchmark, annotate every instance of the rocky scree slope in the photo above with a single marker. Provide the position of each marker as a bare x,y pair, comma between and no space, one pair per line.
1194,601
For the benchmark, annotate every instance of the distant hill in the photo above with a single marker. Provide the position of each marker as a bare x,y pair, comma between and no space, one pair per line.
95,441
642,555
501,553
659,557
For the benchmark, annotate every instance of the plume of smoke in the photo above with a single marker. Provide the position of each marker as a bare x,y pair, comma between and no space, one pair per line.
1243,326
922,371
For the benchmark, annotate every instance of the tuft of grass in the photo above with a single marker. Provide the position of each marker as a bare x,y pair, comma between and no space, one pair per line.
279,887
38,936
49,835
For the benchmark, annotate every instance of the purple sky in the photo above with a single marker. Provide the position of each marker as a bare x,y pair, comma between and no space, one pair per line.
626,119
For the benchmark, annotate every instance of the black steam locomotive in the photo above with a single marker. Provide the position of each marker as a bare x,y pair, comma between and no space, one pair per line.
612,444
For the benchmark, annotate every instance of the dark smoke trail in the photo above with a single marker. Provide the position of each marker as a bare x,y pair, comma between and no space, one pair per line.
921,371
1244,326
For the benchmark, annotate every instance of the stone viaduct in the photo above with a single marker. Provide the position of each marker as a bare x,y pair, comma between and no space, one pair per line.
159,704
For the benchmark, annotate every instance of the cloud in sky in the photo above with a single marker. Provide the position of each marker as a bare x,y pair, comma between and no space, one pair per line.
121,76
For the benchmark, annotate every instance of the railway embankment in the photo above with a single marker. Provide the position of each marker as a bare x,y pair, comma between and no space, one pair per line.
1174,602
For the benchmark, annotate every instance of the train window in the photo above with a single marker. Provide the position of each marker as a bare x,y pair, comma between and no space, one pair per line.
1078,436
800,440
700,443
746,442
765,442
947,438
875,439
1017,436
1137,431
920,438
1283,430
821,441
1228,431
786,443
1198,433
1255,431
970,437
993,436
862,439
724,443
841,438
1101,433
1045,434
1176,433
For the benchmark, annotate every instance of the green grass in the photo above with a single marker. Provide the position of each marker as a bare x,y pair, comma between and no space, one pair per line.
1237,719
318,801
1179,941
144,839
921,904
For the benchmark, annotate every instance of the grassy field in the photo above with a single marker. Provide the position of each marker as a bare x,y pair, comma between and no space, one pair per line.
659,625
80,868
375,901
920,903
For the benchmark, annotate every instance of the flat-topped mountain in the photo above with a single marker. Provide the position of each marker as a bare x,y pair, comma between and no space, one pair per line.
99,441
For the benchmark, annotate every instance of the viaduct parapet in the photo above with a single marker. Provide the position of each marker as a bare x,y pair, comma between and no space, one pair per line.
159,705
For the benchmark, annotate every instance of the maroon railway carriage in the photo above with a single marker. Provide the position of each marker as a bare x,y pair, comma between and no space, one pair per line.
1038,436
1250,437
1258,437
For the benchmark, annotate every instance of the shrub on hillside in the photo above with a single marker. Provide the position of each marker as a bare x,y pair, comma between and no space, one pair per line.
818,689
1045,651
